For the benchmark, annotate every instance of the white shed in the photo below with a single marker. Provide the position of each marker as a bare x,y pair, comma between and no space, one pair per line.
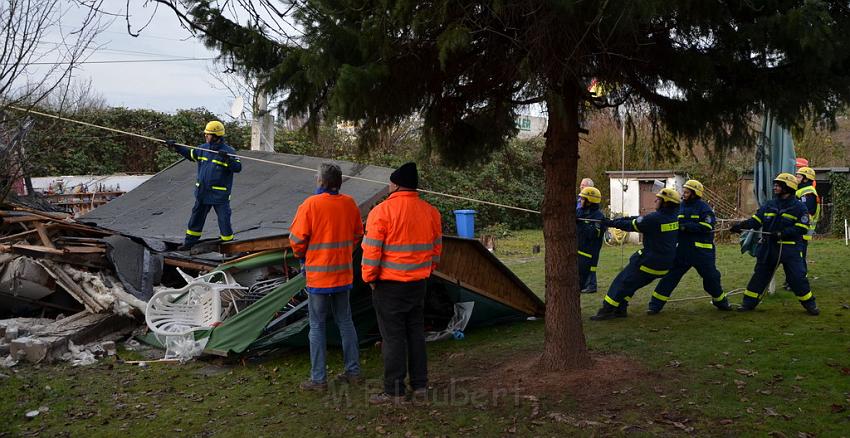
633,191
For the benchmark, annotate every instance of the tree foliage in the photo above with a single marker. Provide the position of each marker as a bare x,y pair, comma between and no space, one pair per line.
65,148
702,68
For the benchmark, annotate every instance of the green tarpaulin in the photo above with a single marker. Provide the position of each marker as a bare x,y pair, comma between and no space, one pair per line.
246,331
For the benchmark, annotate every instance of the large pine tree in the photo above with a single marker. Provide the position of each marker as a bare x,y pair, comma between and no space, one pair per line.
700,67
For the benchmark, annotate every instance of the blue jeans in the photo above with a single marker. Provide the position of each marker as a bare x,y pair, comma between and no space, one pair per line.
340,307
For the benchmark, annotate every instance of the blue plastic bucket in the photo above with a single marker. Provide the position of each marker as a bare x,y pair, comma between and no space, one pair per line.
465,223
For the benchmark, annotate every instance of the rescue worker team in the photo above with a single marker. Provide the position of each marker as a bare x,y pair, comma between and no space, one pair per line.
402,243
679,235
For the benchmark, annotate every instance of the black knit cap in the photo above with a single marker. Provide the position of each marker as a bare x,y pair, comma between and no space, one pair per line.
406,176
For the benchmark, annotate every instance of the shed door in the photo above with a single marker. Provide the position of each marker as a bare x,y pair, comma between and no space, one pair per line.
647,190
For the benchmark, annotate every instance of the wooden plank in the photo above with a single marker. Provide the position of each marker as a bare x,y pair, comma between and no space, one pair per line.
186,264
36,250
45,215
277,242
70,286
42,234
78,227
84,249
521,305
18,236
87,240
19,219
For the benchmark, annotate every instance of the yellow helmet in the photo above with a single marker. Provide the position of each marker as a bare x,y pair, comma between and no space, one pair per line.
592,194
696,186
668,194
808,172
215,128
787,179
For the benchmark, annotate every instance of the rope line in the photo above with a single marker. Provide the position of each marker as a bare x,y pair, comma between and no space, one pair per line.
737,291
260,160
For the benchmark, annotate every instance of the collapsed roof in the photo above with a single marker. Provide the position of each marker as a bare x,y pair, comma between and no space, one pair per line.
265,198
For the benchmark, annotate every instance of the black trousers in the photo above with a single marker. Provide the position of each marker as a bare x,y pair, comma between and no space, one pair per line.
399,307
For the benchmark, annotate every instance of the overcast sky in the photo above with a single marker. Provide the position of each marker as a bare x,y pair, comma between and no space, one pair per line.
162,86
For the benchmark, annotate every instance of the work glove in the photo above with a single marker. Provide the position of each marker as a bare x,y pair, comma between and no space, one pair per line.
171,144
223,155
737,227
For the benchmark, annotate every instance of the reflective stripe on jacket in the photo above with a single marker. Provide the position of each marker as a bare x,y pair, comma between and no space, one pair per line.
809,197
403,239
696,228
787,220
324,232
215,177
660,234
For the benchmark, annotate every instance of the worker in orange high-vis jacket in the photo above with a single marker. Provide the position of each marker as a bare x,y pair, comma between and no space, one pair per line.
400,250
323,235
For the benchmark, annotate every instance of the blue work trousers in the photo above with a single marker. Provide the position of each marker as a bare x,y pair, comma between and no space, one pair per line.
627,282
792,261
199,216
704,264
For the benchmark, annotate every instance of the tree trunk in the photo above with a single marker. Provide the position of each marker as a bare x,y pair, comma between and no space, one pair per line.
564,343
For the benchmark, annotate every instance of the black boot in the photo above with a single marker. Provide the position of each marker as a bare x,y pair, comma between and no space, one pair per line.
745,308
811,307
609,312
186,246
722,304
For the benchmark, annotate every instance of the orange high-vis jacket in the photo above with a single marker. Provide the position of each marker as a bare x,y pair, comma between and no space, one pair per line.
403,239
324,232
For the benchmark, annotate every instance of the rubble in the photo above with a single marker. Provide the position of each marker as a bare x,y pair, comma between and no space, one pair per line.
51,265
94,279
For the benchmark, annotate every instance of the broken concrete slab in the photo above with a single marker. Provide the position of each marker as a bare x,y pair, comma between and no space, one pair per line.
50,341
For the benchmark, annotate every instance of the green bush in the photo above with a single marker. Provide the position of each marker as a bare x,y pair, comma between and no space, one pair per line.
840,195
65,148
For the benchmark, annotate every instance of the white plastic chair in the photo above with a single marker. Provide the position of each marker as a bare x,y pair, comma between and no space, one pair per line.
196,306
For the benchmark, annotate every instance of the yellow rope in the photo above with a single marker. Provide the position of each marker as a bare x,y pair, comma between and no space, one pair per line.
260,160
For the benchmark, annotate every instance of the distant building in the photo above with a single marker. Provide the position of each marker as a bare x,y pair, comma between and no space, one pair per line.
746,198
82,193
531,126
633,192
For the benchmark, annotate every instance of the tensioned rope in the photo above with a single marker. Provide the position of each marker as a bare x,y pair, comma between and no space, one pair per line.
260,160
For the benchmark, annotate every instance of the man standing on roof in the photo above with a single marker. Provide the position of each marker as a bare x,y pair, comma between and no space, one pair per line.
807,194
323,234
590,231
214,183
695,249
785,221
400,250
660,234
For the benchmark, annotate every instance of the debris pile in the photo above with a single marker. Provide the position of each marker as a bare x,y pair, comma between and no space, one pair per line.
56,278
73,284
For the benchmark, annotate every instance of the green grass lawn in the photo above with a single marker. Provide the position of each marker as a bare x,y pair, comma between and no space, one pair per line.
688,370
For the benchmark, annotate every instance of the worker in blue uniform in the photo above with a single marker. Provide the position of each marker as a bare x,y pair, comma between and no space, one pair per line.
214,183
694,250
588,286
807,194
784,221
590,232
660,232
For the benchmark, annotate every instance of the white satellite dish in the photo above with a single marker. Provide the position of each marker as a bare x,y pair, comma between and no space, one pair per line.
237,107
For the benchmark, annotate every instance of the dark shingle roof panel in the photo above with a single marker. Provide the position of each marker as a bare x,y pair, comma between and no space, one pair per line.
264,201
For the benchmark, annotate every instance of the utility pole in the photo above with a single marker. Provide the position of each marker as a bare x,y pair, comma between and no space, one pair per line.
262,124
